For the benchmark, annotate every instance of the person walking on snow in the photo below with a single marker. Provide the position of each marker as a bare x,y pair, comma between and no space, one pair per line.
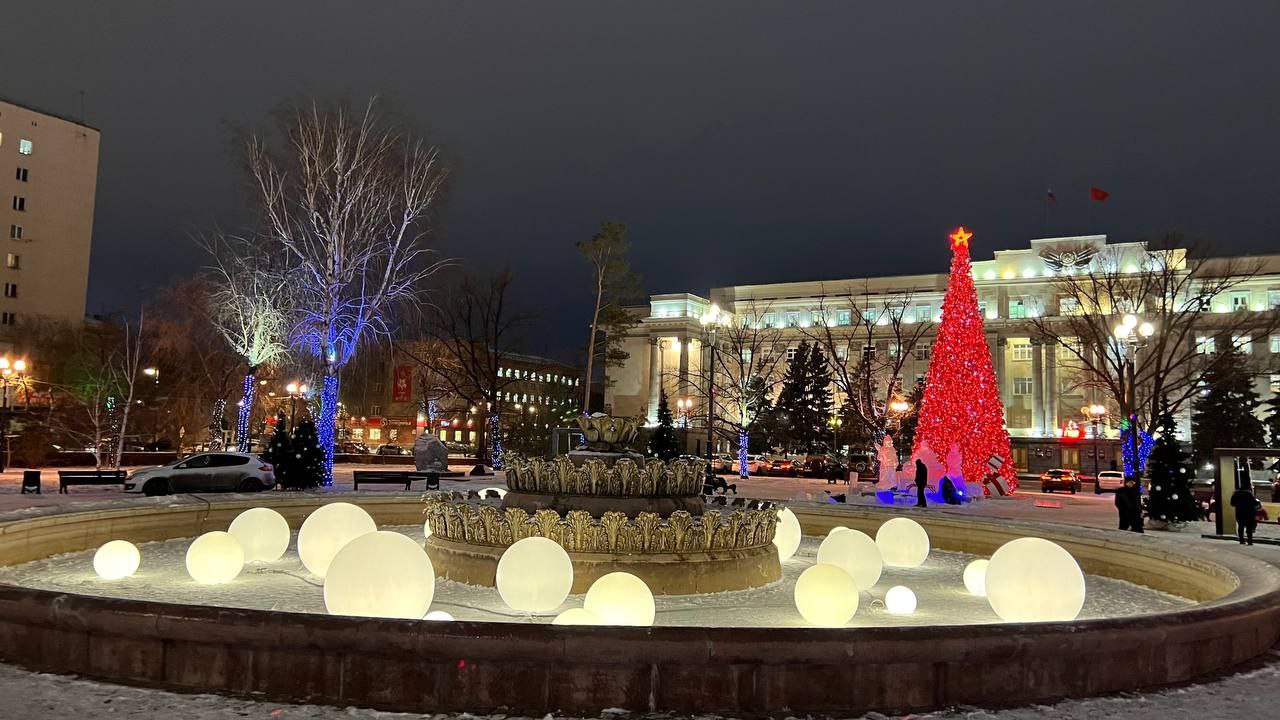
1246,506
922,479
1129,506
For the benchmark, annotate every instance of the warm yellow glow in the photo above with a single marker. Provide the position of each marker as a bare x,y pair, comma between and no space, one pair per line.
262,532
903,543
900,600
855,553
438,616
621,598
1034,580
786,534
826,596
380,574
116,559
534,575
326,530
576,616
215,558
975,577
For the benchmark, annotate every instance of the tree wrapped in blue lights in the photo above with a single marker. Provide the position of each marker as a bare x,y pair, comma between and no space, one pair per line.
1133,467
346,196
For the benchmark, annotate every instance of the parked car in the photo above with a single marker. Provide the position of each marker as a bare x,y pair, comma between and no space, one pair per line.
204,472
393,449
352,447
780,466
1110,480
1059,479
821,466
721,462
754,464
459,448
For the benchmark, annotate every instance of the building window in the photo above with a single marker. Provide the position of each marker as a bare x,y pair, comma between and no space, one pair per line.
1275,384
1022,386
895,349
1275,343
1017,309
11,290
770,320
15,232
7,318
793,319
924,313
24,147
843,317
375,433
1243,343
14,261
923,350
982,308
1068,306
21,174
1204,345
1239,301
1273,299
19,203
376,411
1021,351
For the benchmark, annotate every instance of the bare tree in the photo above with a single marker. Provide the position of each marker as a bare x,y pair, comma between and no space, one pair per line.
866,378
81,378
128,363
347,198
1185,300
612,284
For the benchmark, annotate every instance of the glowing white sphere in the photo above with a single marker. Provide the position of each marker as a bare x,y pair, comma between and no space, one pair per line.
262,532
786,534
439,616
620,598
1034,580
576,616
380,574
116,559
215,557
975,577
426,528
534,575
826,596
900,600
855,553
837,529
327,530
903,543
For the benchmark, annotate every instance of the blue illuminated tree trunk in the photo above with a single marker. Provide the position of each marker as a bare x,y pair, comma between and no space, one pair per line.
246,410
743,440
327,422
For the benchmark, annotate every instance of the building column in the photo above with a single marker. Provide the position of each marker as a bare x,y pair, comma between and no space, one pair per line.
655,378
1051,386
682,386
1037,387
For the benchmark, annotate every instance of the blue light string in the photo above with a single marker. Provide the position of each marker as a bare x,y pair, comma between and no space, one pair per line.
246,410
325,424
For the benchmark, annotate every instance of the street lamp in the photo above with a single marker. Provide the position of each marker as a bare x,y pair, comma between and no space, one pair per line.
683,407
1133,334
1095,413
152,372
12,372
835,422
295,390
711,321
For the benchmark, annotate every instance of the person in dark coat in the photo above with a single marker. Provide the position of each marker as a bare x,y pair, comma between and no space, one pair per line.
922,479
1129,506
1246,506
949,494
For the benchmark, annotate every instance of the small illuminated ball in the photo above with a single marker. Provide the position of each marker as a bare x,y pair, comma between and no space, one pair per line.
534,575
975,577
576,616
903,543
826,596
215,558
382,575
1034,580
620,598
327,530
900,600
439,616
855,553
786,534
262,532
116,559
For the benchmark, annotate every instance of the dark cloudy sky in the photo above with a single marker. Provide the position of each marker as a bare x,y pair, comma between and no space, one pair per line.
740,141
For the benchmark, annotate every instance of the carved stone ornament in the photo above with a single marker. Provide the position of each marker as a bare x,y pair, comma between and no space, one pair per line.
626,478
604,433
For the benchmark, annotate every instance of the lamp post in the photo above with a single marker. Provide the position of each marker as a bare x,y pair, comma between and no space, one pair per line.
12,372
1128,332
683,406
711,321
834,422
1095,413
295,390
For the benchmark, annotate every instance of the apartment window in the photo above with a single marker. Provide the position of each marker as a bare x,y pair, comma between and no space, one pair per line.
1017,309
791,353
923,350
770,320
19,203
1068,306
842,353
24,147
21,174
793,319
1239,301
1273,299
924,313
1205,345
1022,386
843,317
8,318
11,290
895,349
1022,351
15,232
1243,343
1275,343
14,261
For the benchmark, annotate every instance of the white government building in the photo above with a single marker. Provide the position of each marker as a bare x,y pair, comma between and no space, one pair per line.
1040,397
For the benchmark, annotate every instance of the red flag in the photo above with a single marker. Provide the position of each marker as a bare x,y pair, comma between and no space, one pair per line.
1099,194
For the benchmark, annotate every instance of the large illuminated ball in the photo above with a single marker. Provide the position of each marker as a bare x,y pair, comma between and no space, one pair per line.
262,532
1034,580
786,534
900,600
534,575
576,616
837,529
327,530
826,596
426,528
855,553
620,598
975,577
116,559
903,543
380,574
439,616
215,557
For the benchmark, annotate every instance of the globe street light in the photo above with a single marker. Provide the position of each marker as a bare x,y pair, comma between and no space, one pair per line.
295,390
1133,334
711,321
1095,413
12,372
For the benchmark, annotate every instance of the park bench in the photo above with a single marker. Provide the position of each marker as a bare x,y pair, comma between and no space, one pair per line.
89,477
400,477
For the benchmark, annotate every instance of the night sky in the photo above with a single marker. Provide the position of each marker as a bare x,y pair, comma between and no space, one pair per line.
739,141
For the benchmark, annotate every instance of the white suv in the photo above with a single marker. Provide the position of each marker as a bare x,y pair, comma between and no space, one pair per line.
204,472
1110,480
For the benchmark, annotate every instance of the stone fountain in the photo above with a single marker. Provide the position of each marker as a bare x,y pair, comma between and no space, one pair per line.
612,510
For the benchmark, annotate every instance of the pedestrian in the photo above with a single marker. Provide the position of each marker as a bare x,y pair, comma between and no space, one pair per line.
1246,507
949,494
1275,491
922,479
1129,506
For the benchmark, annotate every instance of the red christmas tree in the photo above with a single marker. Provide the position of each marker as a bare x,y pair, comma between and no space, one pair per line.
961,404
